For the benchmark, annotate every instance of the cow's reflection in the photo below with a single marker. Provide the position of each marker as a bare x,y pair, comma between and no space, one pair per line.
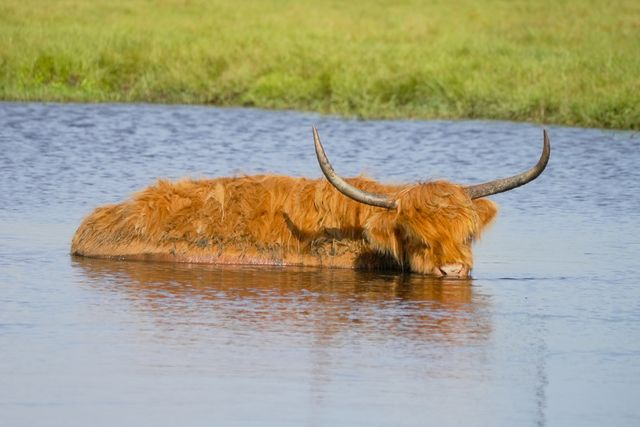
324,302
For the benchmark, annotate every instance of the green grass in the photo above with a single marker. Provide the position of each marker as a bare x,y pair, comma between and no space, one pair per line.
571,62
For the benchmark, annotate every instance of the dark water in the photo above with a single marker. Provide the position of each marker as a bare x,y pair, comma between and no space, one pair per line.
547,332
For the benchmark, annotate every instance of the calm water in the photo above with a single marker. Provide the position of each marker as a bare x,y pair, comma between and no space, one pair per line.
547,332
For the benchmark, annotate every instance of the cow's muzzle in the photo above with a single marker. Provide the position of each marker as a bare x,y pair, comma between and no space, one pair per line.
456,270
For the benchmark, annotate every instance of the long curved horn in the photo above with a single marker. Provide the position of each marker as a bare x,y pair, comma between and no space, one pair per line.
343,186
506,184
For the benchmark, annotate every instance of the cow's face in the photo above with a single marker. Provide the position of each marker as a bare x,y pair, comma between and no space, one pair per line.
432,229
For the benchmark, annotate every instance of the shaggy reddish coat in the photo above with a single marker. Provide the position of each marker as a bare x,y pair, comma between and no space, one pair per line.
280,220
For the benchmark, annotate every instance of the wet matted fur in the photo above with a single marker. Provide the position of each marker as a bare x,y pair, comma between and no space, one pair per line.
282,220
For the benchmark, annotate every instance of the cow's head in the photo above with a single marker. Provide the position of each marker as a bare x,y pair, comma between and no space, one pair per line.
429,227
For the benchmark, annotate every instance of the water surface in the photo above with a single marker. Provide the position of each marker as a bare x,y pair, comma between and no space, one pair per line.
546,333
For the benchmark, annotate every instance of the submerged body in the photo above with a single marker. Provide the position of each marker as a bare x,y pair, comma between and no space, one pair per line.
425,228
281,220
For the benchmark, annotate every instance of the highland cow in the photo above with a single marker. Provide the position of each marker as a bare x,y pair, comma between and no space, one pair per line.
425,228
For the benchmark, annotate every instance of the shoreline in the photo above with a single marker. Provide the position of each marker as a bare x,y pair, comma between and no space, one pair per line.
491,60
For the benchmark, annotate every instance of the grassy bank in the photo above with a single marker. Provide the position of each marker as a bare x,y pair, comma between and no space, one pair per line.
572,62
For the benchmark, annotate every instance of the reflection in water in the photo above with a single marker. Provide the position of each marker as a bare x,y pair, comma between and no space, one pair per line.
326,333
322,302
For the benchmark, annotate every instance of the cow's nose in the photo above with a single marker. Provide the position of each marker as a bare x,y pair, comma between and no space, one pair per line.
454,270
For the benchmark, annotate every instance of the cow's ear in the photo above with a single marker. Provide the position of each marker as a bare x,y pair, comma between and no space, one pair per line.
486,210
383,234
